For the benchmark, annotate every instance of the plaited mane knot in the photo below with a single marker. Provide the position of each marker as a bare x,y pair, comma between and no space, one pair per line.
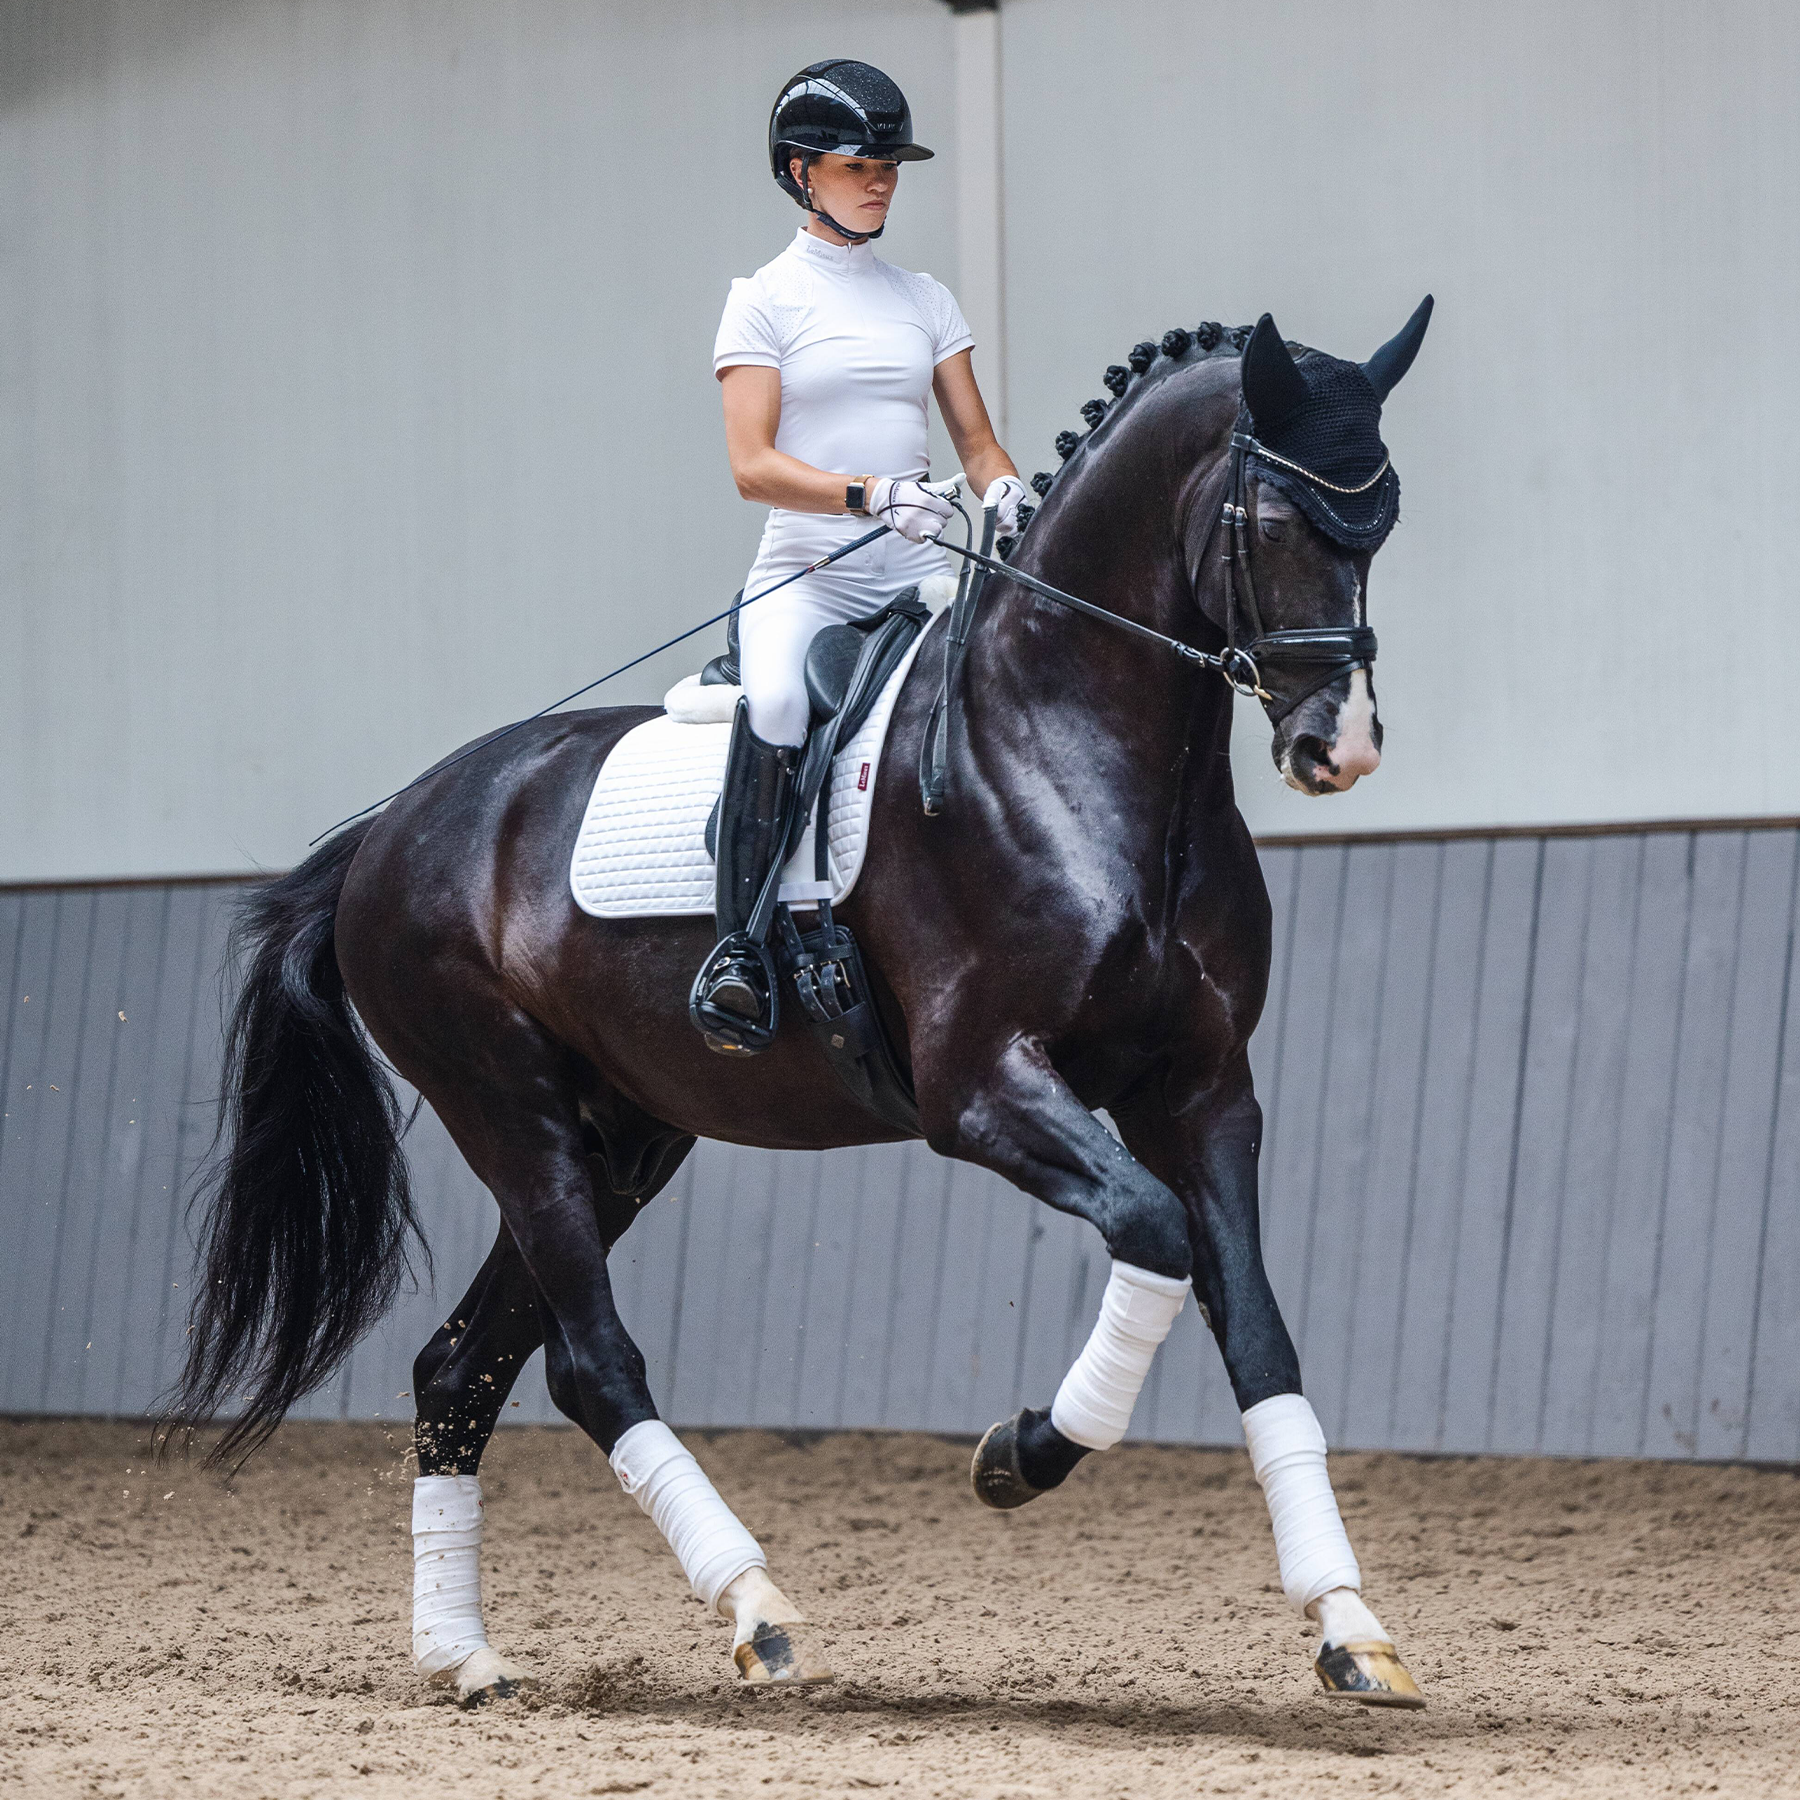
1208,337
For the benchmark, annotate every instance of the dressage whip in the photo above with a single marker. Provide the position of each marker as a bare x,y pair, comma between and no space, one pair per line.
811,568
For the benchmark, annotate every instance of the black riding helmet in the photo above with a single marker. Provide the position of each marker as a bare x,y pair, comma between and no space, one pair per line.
840,108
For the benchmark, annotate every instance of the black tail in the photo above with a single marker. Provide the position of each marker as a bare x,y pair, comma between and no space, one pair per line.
306,1203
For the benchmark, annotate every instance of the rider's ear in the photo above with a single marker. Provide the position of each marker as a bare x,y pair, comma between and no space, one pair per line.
1273,386
1395,357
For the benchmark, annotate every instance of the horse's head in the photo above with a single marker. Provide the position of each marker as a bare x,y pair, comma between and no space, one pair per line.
1310,497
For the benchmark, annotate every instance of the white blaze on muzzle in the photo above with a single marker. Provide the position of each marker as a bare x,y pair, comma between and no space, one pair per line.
1355,752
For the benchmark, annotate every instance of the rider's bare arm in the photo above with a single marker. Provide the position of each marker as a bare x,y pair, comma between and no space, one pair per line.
965,416
763,473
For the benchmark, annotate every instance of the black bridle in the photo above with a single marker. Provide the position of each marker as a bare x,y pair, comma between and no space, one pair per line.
1319,654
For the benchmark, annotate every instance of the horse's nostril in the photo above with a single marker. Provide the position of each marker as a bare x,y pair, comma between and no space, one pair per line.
1310,750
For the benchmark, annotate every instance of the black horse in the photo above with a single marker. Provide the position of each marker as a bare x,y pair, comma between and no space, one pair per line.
1084,926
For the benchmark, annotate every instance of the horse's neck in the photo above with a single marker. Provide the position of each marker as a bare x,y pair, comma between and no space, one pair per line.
1126,731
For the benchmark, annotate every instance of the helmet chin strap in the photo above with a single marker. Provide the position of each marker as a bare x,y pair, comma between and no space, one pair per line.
825,218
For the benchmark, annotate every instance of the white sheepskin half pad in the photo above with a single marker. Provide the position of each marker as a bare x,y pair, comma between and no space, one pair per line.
641,852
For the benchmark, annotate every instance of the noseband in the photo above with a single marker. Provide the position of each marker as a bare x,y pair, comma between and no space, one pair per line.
1318,655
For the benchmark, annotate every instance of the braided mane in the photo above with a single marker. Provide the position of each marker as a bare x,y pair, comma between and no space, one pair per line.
1178,344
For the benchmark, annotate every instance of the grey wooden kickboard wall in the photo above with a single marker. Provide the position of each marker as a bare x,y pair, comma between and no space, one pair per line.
1529,1184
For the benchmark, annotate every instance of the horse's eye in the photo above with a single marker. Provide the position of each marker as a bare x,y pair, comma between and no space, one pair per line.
1273,529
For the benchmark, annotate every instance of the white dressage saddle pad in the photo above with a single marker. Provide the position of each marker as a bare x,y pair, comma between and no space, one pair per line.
642,848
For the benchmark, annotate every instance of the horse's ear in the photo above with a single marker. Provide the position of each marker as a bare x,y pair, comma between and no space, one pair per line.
1395,357
1273,387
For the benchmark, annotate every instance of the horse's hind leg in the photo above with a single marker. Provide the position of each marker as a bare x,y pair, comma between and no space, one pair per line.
1205,1147
461,1380
536,1151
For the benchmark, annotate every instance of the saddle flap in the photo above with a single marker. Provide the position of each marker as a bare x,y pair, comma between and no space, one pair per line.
831,660
847,665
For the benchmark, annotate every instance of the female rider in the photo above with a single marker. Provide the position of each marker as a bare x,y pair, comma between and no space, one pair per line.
825,357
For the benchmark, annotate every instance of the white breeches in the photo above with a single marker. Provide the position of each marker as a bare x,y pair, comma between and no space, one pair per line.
773,635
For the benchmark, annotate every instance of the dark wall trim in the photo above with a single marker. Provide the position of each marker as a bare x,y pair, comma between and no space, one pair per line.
1298,840
1458,834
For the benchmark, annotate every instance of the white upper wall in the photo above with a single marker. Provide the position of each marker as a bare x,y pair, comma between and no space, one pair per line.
354,384
1590,611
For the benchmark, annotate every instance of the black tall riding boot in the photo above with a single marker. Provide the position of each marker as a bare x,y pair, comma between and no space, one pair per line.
755,828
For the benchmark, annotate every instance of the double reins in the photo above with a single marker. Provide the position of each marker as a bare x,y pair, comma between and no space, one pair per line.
1325,653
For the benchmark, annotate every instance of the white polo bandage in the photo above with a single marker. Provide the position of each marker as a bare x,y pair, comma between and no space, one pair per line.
1287,1451
664,1479
446,1534
1093,1405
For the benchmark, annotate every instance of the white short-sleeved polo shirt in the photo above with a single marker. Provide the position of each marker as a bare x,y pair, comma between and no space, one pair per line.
856,341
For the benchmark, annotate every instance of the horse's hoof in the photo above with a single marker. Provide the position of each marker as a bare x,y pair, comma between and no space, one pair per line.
487,1675
995,1473
1368,1670
772,1654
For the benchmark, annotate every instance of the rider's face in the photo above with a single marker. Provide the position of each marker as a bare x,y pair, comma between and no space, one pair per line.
853,189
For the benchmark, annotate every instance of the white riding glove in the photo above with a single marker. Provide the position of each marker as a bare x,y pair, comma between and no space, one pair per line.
1006,493
911,508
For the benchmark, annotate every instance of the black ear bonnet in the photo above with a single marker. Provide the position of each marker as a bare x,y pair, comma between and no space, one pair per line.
1315,423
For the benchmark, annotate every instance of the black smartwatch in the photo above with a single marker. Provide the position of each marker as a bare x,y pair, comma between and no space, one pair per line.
856,498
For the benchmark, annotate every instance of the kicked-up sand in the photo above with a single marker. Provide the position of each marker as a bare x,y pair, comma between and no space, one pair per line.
1578,1628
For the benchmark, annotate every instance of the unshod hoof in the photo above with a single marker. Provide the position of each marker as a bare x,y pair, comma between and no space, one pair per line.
995,1473
486,1676
1369,1671
774,1654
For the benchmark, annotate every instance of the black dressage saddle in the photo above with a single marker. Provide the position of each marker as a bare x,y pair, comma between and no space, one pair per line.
833,659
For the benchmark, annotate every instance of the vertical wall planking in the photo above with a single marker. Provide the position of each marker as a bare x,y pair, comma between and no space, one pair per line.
1416,1405
1531,1116
1382,1248
1640,1172
1533,1206
1734,1240
1565,1400
1690,1197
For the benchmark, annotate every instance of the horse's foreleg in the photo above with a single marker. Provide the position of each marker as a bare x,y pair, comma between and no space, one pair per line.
1023,1122
461,1380
1207,1152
